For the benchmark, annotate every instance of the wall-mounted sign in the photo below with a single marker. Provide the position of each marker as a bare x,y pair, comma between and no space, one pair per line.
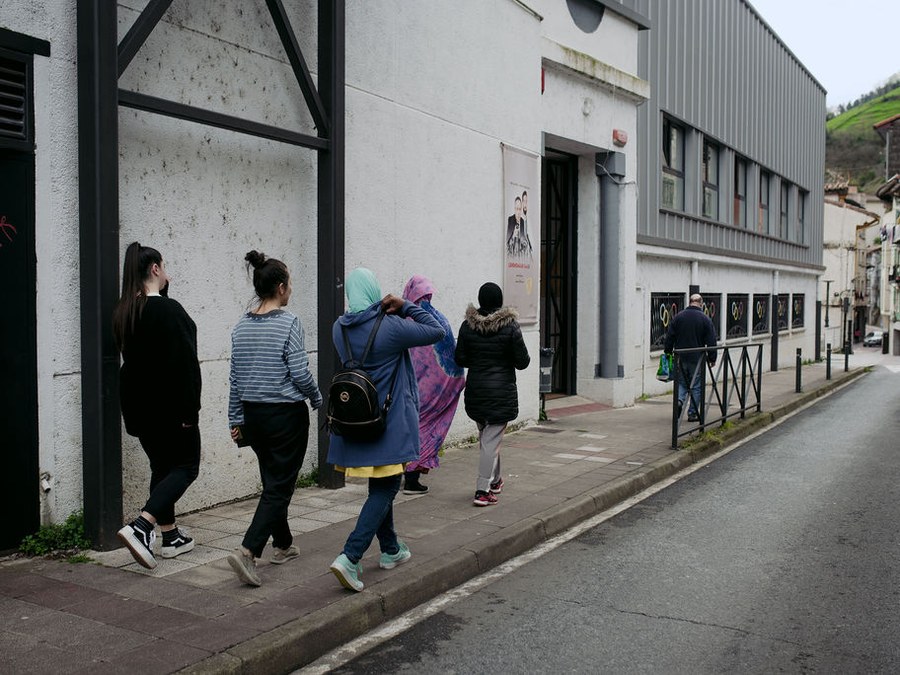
781,311
712,307
521,229
797,310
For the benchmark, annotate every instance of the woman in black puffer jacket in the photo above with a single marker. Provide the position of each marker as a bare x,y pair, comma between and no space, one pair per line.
490,345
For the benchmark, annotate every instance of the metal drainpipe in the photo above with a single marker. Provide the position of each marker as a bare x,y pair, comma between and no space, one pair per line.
610,167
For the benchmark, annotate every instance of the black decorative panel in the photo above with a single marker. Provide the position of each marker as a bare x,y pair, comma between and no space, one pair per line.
712,307
663,306
760,317
797,310
781,311
736,319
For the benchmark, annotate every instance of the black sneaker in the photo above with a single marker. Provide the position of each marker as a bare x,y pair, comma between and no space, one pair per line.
693,417
140,544
175,546
414,489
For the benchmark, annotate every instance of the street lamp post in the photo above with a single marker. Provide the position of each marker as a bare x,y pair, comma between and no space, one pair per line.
828,283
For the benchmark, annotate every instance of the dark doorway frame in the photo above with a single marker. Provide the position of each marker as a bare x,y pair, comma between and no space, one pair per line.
21,477
559,266
101,60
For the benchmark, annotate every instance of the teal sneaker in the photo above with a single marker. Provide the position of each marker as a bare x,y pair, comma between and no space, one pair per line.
390,561
347,572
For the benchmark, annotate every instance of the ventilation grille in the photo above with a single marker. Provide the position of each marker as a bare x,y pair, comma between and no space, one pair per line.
13,90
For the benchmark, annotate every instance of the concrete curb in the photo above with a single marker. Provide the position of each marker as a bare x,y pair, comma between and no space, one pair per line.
306,639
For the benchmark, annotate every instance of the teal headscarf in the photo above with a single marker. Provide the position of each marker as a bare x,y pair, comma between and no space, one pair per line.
362,289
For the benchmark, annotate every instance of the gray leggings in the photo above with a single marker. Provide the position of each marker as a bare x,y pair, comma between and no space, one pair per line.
489,439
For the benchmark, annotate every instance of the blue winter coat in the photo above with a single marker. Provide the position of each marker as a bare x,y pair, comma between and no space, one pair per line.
400,442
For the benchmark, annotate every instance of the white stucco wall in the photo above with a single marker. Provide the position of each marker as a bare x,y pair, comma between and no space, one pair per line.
433,91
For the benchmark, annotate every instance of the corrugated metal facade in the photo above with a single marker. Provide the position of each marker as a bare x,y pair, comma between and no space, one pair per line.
716,68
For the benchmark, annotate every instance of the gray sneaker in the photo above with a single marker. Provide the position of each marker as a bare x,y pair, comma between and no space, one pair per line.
282,555
245,567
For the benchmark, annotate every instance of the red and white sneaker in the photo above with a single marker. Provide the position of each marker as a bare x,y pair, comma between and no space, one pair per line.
497,488
484,499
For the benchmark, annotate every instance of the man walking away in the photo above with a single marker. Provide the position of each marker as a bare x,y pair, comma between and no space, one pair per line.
689,329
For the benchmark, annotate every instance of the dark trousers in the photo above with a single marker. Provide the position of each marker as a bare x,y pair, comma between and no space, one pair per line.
375,520
278,434
174,454
684,373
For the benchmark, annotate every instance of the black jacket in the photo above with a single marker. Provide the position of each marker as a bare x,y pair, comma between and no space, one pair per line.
689,329
492,348
159,382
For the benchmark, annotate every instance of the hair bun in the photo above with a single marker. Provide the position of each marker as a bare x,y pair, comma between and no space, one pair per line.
256,259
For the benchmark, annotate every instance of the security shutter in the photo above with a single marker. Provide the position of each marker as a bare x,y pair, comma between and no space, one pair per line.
14,91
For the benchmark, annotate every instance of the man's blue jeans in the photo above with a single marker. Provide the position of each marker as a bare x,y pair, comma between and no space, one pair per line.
684,371
375,520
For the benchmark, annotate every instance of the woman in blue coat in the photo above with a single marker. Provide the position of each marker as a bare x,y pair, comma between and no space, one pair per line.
381,461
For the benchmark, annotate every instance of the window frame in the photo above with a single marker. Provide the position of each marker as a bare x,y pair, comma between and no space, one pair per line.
708,182
740,195
675,174
784,222
764,215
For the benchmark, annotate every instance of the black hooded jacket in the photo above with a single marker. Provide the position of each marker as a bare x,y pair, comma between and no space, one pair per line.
492,348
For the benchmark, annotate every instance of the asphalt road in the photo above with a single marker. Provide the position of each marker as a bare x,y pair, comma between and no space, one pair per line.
779,557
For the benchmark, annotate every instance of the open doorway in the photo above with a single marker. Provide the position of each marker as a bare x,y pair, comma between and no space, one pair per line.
559,183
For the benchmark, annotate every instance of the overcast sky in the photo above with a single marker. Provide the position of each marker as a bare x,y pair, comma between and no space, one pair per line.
850,50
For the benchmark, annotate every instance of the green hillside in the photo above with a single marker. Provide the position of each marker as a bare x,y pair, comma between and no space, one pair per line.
853,148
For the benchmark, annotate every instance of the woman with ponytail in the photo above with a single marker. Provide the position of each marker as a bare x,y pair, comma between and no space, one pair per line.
159,389
270,384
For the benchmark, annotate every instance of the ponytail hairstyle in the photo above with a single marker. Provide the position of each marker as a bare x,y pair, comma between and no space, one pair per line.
268,273
136,269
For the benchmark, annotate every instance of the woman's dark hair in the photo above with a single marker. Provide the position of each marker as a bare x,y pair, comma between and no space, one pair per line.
138,261
268,273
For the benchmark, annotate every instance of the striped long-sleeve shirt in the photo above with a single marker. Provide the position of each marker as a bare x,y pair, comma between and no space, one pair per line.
269,363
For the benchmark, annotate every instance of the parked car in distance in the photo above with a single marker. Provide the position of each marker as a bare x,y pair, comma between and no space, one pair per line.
873,338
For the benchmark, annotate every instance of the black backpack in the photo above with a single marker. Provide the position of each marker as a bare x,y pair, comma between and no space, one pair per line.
353,410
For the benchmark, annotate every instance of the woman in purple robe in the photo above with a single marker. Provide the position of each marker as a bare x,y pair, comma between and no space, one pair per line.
440,383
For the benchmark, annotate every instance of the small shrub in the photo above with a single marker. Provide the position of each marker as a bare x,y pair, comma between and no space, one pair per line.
61,540
311,479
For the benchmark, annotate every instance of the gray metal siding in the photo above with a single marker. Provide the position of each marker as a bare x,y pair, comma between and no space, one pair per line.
716,67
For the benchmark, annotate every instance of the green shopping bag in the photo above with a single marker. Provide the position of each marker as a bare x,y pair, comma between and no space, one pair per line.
666,370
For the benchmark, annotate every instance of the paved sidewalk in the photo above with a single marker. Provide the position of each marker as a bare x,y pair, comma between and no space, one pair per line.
192,614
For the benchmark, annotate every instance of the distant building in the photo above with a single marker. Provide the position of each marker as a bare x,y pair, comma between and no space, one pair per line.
889,193
845,247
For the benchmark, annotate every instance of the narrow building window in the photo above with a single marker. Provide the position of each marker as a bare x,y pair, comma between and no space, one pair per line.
740,192
672,166
801,216
783,221
710,180
763,224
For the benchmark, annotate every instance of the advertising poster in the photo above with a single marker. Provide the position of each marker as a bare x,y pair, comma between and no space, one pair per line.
663,308
522,232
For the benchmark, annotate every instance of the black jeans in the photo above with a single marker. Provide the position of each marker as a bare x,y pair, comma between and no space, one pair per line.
174,454
278,434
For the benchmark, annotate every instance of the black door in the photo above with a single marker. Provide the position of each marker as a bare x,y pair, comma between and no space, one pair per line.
558,269
19,496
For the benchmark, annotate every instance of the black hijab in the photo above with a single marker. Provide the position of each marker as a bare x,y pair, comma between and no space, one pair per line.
490,298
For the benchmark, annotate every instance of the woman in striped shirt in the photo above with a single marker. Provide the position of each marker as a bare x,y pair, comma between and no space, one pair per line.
270,384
